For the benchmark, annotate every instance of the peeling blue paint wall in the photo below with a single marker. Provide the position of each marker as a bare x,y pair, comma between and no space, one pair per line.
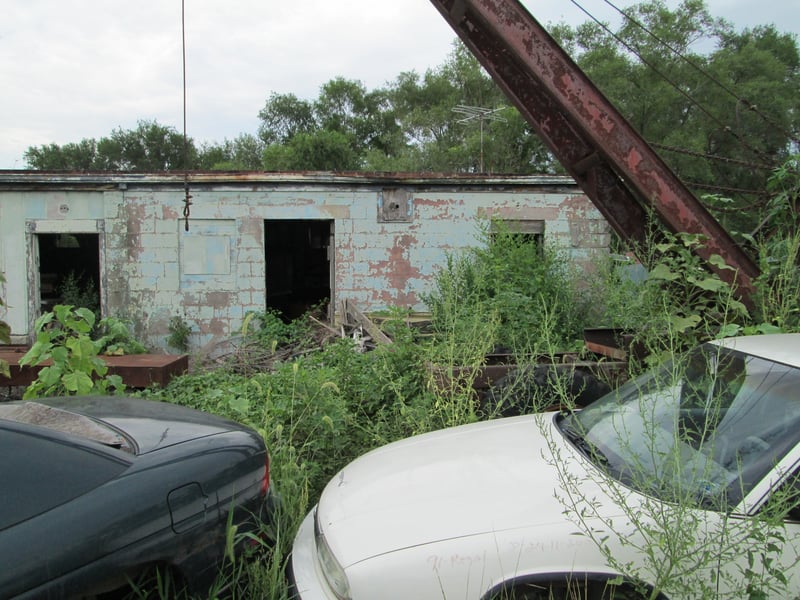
212,275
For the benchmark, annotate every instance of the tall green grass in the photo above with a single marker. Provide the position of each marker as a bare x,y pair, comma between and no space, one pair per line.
332,403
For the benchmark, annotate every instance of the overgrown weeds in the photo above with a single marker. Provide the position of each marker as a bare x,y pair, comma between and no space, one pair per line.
506,292
321,403
316,412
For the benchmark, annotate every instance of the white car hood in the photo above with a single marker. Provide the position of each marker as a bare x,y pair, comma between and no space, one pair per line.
486,477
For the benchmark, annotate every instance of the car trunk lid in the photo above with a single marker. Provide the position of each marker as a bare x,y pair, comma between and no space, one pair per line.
133,424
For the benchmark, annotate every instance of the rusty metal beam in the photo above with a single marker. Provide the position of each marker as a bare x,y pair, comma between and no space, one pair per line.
616,168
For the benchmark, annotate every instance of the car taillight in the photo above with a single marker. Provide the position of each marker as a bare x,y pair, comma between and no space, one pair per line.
265,481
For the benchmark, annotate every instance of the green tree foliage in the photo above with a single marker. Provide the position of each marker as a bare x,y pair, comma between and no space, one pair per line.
409,125
319,151
284,116
334,132
243,153
438,139
720,105
78,156
148,147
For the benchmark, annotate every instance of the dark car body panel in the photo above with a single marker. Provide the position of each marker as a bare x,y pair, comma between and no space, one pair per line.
152,425
167,504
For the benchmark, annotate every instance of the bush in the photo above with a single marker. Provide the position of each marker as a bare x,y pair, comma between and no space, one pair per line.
79,291
63,337
509,292
179,332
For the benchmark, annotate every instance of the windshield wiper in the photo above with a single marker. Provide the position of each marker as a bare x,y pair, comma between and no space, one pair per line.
581,443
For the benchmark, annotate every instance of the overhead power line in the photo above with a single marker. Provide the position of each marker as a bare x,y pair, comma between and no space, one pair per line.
666,78
724,159
744,101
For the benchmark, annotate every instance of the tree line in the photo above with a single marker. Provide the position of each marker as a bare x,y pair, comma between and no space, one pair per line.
720,105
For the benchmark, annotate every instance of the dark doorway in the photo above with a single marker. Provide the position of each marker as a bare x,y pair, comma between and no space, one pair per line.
69,270
299,272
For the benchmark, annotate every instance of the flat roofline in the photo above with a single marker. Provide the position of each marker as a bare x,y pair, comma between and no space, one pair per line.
109,179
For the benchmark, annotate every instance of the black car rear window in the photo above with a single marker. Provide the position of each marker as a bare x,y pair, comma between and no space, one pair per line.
64,421
39,473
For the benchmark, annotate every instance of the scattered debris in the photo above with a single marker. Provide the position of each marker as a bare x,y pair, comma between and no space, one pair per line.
247,355
354,316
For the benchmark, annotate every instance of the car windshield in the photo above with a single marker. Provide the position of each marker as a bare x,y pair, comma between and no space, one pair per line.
708,426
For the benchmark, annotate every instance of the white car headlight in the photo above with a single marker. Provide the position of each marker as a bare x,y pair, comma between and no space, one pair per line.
331,569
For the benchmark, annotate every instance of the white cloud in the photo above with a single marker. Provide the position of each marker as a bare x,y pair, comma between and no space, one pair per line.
78,69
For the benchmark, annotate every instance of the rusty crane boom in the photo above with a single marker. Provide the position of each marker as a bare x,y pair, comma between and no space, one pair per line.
612,163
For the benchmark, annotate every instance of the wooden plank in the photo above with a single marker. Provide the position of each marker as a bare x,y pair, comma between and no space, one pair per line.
332,330
357,316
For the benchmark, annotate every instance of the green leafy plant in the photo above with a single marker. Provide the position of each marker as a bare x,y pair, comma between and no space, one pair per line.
179,332
778,287
113,337
75,367
269,329
670,301
694,301
783,216
513,285
78,290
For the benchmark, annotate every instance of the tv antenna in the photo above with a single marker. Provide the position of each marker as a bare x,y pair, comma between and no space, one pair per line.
480,114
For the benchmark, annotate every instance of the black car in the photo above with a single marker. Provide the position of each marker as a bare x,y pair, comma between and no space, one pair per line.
94,491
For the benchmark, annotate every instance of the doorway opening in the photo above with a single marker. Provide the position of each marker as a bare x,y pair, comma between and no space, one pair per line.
69,270
299,265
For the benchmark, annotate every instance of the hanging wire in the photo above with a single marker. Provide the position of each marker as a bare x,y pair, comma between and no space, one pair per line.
728,190
672,83
187,201
727,89
722,159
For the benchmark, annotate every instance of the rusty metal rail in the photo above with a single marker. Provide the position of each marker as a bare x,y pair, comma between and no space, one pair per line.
136,370
616,168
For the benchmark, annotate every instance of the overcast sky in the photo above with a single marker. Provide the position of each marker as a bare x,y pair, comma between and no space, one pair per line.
74,69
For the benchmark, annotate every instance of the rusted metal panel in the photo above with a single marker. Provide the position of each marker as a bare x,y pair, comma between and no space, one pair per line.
145,370
136,370
615,167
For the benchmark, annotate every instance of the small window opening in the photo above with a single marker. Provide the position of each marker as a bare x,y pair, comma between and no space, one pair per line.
519,232
69,270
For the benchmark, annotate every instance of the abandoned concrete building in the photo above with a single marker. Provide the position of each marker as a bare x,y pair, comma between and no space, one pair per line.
256,241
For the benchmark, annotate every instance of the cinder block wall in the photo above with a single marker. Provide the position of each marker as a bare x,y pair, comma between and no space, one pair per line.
214,273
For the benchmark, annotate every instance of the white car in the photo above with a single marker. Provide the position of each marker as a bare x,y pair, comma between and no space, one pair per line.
682,483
